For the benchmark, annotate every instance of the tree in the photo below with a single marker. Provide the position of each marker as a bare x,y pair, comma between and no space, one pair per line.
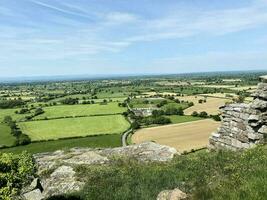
38,111
194,114
135,125
203,114
7,119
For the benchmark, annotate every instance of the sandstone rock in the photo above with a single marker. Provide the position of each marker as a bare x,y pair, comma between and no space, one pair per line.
148,151
87,158
33,195
61,181
175,194
243,125
57,169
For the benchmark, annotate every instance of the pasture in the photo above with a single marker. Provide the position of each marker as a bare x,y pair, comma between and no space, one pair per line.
74,127
183,136
80,110
6,139
11,112
99,141
175,119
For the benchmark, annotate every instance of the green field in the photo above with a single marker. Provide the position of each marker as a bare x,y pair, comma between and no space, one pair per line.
11,112
175,105
100,141
175,119
80,110
6,139
74,127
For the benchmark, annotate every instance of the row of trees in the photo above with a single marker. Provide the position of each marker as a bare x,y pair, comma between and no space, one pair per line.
21,139
4,104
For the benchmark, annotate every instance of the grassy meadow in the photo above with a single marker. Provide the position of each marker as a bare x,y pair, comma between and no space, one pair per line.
80,110
99,141
6,139
74,127
175,119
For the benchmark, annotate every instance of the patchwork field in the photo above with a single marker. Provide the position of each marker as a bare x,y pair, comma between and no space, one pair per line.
183,137
74,127
81,110
6,139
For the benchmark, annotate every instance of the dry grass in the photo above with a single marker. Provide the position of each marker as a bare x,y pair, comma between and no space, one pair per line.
211,106
183,137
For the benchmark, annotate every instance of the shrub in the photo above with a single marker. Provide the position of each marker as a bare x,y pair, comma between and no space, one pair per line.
16,171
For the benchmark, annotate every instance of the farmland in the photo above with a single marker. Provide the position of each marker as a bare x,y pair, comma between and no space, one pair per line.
184,136
80,110
6,138
74,127
211,106
65,110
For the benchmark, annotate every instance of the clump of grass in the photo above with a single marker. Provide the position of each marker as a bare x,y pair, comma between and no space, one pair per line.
215,175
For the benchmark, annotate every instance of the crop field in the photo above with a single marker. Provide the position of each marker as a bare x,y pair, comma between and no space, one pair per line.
81,110
183,137
74,127
6,139
211,106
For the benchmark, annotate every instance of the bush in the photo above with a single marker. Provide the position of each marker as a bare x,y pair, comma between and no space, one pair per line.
203,114
16,171
194,114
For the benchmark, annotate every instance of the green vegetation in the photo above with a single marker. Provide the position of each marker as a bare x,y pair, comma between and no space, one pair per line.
11,112
16,171
74,127
100,141
80,110
204,175
175,119
6,139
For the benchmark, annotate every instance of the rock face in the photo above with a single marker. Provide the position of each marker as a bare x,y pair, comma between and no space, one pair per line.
243,125
175,194
57,170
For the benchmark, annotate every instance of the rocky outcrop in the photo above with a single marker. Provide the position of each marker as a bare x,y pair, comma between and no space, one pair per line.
57,170
243,125
175,194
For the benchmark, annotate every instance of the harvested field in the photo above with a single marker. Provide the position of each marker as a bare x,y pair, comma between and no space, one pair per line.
183,137
211,106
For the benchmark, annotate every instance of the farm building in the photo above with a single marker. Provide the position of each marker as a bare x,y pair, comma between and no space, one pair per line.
143,112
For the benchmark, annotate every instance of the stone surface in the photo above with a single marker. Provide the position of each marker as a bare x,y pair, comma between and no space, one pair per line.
33,195
243,125
175,194
61,181
57,169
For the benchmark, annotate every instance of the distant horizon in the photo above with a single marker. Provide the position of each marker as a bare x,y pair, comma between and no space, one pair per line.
112,76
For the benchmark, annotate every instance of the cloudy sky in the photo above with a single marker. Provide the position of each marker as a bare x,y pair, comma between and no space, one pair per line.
73,37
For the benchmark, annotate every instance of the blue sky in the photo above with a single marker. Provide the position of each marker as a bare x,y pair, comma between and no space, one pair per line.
78,37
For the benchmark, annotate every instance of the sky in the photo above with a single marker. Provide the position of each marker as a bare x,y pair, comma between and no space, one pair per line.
94,37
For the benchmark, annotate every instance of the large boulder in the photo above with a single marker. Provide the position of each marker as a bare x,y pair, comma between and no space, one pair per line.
57,169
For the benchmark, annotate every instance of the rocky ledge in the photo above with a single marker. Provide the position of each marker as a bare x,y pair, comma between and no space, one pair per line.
57,173
243,125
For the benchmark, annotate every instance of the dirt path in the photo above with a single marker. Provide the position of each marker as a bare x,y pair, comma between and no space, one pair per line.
184,136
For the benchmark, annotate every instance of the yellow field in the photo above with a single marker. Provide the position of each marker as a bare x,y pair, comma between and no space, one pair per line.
252,87
183,137
211,106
